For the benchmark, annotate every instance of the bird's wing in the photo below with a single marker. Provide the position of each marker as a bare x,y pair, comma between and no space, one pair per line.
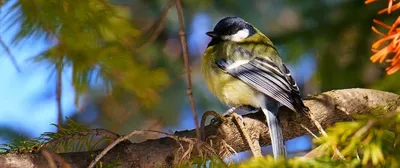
298,102
268,78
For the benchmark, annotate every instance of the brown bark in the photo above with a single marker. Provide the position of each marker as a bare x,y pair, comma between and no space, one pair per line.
327,108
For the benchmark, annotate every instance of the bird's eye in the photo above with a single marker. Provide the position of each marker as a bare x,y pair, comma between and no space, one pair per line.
233,31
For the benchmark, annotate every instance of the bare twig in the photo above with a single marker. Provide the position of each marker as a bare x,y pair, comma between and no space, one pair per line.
158,25
254,147
105,133
372,122
51,156
126,115
319,127
187,68
10,55
309,131
109,147
123,138
316,152
158,122
227,151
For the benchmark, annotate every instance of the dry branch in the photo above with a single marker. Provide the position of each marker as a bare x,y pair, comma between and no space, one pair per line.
187,66
327,108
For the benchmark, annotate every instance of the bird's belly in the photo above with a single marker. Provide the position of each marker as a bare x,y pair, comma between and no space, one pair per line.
238,93
232,91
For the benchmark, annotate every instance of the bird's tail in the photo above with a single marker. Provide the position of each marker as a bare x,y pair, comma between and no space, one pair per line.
277,141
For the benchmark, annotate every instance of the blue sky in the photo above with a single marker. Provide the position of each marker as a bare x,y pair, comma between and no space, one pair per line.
27,98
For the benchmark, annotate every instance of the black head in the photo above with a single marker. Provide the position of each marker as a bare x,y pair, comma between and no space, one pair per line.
232,28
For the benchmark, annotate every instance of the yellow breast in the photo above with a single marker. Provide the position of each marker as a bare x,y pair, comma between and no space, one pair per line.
228,89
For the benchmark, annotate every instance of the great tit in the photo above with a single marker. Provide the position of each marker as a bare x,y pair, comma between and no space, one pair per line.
243,69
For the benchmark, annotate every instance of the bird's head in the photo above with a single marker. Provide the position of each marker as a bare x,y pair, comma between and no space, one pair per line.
232,29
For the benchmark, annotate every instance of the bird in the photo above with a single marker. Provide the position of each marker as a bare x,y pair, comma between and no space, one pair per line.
243,69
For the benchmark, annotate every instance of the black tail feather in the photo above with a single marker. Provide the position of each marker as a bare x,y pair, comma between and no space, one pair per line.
271,113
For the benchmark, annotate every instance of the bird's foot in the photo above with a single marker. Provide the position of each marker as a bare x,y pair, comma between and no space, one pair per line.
229,112
240,110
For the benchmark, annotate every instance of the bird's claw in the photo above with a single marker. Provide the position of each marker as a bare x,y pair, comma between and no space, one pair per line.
239,117
227,113
215,121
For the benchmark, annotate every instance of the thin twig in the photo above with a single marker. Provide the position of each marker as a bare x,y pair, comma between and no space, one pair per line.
109,147
319,127
372,122
309,131
158,122
187,68
316,152
59,93
51,156
126,115
105,133
159,25
255,149
10,55
123,138
229,147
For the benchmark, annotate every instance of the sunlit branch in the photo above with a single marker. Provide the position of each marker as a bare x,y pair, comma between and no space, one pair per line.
329,108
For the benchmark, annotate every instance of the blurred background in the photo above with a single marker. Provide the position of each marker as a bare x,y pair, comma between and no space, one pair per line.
117,64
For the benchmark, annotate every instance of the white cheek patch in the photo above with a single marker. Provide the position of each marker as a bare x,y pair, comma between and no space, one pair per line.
237,63
238,36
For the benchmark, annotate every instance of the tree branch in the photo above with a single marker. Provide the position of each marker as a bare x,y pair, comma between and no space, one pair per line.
187,66
328,108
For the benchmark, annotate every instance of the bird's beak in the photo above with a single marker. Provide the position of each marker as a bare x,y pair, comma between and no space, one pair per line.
212,34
